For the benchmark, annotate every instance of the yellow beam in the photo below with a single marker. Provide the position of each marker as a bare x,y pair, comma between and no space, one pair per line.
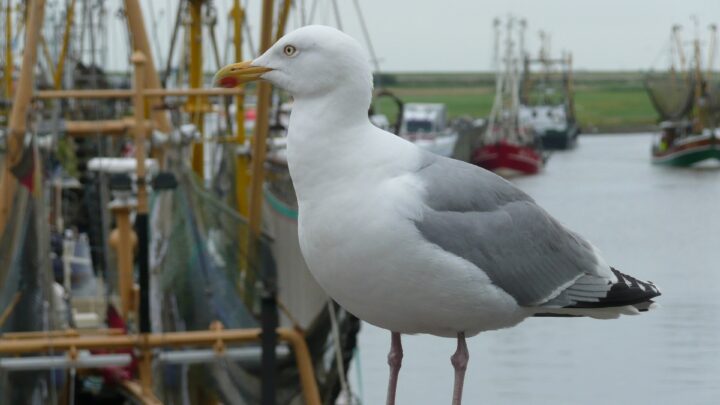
59,70
21,100
61,333
109,127
139,60
259,152
216,337
8,50
242,163
8,187
259,146
119,93
135,389
282,19
124,240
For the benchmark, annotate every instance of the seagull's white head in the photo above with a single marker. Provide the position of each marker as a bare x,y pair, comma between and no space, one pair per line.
312,61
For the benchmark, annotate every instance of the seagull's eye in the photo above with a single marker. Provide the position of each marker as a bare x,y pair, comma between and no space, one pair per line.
289,50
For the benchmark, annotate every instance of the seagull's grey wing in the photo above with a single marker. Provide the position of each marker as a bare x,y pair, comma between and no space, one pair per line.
484,219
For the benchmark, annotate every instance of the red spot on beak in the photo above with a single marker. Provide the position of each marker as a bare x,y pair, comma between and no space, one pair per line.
228,82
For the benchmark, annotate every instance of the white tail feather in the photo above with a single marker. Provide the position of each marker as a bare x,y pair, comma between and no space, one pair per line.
597,313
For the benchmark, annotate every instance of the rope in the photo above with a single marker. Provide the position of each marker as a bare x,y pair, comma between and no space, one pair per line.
338,350
366,34
6,313
285,310
358,371
336,11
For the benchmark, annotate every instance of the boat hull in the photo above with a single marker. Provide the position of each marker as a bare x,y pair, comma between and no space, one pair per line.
688,152
508,159
560,139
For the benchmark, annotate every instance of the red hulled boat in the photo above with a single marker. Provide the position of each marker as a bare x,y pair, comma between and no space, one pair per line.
507,147
508,159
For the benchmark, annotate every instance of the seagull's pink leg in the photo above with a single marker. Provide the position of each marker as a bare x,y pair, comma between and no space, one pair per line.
395,361
459,361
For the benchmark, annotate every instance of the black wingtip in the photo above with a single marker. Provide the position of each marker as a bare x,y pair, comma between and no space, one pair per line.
627,290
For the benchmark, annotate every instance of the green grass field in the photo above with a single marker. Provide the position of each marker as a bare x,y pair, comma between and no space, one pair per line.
604,101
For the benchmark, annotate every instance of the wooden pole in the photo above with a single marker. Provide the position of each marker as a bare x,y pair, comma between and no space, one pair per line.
124,240
139,60
194,104
141,221
18,116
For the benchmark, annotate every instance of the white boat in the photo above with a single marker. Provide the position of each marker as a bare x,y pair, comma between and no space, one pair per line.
425,124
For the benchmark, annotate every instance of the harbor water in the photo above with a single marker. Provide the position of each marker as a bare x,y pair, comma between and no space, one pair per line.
657,223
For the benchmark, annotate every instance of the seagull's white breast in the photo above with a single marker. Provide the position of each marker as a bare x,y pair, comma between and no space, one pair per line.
358,237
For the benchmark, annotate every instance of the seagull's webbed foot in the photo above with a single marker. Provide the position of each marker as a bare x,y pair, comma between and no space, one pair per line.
459,361
394,361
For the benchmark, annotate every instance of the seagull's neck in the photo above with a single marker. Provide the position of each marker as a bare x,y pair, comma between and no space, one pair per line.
332,145
343,108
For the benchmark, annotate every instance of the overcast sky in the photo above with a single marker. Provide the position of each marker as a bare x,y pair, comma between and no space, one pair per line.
456,35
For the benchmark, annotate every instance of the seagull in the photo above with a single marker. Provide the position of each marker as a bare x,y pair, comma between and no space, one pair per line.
411,241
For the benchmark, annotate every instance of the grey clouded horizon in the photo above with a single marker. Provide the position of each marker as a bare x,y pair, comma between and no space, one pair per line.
456,35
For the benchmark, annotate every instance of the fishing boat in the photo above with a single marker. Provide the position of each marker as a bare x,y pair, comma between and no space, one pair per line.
672,148
547,102
173,275
687,98
509,147
424,124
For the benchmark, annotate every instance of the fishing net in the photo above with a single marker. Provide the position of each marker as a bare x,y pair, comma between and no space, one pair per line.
200,262
24,286
202,273
671,94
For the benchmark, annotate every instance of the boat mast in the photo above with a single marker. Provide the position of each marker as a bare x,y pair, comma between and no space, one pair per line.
490,129
569,85
680,51
515,79
699,123
712,50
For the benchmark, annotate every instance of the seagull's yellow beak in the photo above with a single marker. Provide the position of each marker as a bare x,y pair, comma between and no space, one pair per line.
236,74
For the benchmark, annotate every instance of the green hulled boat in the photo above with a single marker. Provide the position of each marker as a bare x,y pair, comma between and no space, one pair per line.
688,101
686,150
